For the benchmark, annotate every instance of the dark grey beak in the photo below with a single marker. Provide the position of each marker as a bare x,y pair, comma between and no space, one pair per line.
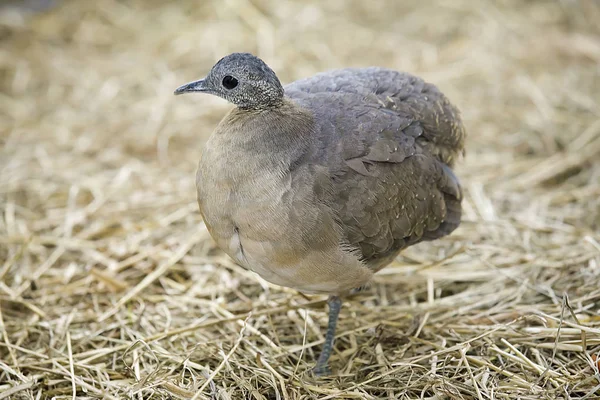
196,86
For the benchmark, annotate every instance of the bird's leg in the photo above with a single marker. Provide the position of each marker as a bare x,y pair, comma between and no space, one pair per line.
322,367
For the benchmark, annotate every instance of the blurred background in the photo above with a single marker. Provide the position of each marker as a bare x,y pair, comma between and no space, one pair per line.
110,286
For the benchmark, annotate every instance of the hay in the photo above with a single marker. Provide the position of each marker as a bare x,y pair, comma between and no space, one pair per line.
110,286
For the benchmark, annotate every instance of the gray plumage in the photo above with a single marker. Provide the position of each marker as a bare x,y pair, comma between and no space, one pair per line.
321,183
389,140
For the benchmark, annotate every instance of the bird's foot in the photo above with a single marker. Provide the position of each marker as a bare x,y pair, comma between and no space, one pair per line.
321,370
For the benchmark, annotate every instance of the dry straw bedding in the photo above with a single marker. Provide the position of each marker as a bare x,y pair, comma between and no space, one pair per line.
110,286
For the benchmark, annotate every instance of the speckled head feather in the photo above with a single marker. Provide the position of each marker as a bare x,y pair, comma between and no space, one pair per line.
242,79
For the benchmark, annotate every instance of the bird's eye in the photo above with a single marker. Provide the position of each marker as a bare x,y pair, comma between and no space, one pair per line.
229,82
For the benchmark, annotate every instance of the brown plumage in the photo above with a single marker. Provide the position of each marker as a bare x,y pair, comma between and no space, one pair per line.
320,184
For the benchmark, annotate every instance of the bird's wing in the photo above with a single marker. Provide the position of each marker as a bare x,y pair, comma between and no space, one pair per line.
404,94
388,140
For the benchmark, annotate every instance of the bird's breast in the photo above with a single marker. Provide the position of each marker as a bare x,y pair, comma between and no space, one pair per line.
243,201
271,224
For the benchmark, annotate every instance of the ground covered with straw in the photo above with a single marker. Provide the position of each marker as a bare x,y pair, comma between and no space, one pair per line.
110,286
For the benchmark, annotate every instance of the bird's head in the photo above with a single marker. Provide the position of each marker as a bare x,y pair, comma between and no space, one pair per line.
242,79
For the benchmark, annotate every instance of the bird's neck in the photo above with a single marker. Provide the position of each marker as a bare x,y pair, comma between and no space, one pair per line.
280,133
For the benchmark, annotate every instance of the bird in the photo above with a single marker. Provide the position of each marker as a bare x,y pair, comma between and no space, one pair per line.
319,184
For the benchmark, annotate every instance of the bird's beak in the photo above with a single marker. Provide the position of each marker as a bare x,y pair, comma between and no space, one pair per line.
196,86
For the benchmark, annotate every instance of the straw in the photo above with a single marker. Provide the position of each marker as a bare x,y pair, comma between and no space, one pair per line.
111,287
